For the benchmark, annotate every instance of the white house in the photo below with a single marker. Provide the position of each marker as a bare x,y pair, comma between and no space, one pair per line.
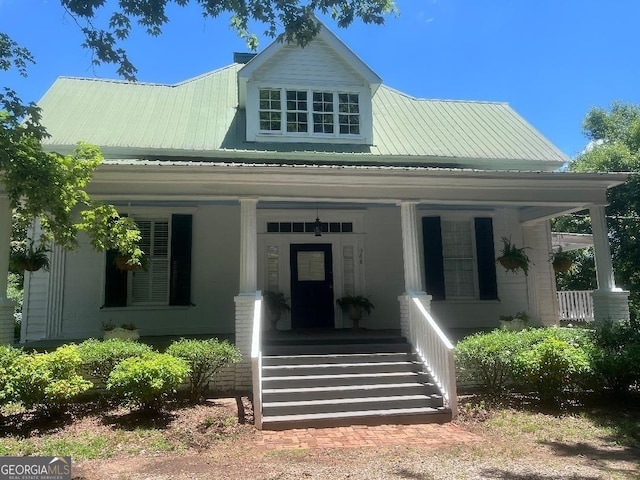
226,174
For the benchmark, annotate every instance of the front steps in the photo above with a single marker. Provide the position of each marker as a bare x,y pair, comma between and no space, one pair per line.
327,382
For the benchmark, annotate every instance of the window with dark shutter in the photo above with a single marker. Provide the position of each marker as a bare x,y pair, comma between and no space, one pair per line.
115,285
181,239
433,261
166,278
487,284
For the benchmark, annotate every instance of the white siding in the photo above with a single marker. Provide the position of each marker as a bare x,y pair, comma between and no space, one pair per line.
512,288
542,280
315,65
34,306
383,266
214,283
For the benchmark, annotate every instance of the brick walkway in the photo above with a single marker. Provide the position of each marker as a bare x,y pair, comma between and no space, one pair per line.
365,436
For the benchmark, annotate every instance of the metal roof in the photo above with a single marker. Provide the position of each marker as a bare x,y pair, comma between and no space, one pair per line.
200,118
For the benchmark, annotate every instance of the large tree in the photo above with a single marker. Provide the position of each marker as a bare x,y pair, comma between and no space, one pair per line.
614,136
52,187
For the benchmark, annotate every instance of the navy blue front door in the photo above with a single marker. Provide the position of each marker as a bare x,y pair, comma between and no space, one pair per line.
311,286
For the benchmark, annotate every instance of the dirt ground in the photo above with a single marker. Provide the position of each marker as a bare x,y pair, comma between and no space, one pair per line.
207,442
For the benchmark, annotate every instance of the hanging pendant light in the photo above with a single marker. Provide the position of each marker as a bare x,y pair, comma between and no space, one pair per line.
317,226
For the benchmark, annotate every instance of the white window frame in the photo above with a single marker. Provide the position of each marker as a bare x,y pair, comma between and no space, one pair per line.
473,259
150,260
284,111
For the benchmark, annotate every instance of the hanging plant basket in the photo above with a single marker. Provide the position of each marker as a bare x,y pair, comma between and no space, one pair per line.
562,265
122,264
511,263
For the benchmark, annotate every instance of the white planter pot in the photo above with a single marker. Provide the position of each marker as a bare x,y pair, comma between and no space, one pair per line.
514,325
122,333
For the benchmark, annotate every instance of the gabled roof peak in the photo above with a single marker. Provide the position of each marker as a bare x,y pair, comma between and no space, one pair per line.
332,40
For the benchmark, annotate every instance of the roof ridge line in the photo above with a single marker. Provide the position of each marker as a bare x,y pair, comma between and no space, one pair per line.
418,99
148,84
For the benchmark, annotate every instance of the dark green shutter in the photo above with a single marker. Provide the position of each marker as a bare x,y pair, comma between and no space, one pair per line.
487,284
180,281
115,286
433,262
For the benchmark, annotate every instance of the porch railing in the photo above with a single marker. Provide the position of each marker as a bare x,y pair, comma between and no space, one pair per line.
434,349
576,306
256,360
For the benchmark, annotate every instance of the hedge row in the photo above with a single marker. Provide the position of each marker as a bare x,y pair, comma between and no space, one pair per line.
132,372
552,361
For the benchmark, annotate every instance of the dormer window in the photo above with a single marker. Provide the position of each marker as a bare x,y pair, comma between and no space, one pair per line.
334,114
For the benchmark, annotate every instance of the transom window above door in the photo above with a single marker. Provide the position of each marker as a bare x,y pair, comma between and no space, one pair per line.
309,112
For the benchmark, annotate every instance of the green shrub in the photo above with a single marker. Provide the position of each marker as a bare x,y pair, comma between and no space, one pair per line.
8,356
149,380
99,357
205,358
489,359
552,366
492,360
616,358
48,380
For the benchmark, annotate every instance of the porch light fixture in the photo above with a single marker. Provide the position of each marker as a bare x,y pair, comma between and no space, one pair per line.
317,226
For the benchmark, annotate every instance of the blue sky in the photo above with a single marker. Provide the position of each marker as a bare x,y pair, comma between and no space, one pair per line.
550,60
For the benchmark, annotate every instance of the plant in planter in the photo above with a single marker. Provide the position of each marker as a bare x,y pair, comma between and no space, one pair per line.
125,331
561,261
513,258
29,259
125,263
355,306
516,322
276,303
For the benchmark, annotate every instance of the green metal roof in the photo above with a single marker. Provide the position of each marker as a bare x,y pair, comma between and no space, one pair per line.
200,118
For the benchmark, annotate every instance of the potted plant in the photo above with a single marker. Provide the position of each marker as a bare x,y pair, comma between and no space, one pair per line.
513,258
127,331
355,306
515,322
561,261
124,263
29,259
276,303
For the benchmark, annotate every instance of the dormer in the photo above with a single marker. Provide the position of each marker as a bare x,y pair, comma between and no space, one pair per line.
317,94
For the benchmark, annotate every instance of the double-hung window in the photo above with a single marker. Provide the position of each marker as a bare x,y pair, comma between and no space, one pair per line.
310,112
458,259
166,276
150,286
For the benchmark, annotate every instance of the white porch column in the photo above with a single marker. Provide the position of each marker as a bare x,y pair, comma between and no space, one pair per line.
609,302
245,300
248,246
6,306
410,249
411,259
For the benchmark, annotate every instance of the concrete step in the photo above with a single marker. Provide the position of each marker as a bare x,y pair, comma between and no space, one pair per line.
341,405
348,391
367,417
281,360
304,381
338,368
330,348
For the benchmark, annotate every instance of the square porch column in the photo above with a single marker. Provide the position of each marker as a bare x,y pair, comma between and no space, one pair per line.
6,306
245,300
411,261
609,302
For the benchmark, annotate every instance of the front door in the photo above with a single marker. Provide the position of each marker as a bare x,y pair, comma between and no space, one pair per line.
311,286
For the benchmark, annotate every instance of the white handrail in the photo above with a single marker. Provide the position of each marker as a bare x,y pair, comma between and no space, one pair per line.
576,305
434,349
256,361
